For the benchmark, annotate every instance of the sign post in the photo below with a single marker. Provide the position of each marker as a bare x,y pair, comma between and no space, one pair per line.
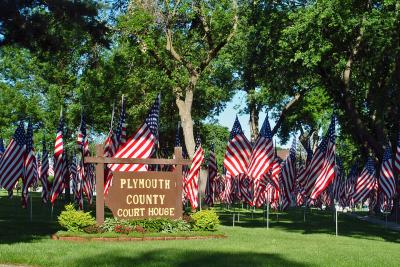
138,195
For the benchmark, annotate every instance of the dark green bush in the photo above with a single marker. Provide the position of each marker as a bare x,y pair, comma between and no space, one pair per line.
148,225
206,220
75,220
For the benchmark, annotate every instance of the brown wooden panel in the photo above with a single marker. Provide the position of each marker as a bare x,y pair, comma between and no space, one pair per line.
136,195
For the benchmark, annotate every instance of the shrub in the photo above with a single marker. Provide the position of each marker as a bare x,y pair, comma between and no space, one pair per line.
139,229
188,219
110,223
75,220
148,225
93,229
206,220
122,229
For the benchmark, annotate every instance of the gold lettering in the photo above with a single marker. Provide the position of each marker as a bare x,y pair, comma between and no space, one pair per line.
141,183
162,197
123,181
129,199
119,212
149,200
167,184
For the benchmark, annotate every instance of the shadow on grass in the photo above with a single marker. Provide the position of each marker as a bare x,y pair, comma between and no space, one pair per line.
317,222
15,223
169,257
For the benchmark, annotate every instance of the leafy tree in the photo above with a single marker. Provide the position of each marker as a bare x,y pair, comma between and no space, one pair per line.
349,49
178,42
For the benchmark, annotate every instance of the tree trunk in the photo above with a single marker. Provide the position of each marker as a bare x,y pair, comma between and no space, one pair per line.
185,113
254,131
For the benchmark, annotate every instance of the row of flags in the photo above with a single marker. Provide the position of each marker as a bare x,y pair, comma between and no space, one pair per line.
253,173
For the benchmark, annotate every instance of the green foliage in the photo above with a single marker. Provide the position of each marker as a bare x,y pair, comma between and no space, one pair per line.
206,220
160,225
75,220
93,229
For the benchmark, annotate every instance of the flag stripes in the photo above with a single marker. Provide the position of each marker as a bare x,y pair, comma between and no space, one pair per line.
12,161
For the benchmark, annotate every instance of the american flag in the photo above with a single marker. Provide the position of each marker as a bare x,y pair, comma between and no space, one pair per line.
349,185
88,177
1,148
211,179
385,203
185,169
301,179
300,197
66,175
288,172
218,188
263,153
51,167
387,181
275,173
109,151
321,169
365,183
303,170
397,156
30,166
284,202
121,128
44,173
246,188
238,151
227,194
38,167
79,190
12,162
260,191
142,143
73,170
338,180
58,163
271,178
81,132
192,186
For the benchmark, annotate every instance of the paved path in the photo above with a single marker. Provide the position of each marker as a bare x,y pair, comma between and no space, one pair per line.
390,225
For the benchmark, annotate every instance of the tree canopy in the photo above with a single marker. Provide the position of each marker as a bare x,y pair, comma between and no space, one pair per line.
298,60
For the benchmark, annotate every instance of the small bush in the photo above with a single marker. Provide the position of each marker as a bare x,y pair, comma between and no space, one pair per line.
122,229
110,223
206,220
148,225
75,220
93,229
188,219
139,229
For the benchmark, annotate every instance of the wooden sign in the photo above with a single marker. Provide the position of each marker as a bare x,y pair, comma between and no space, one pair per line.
136,195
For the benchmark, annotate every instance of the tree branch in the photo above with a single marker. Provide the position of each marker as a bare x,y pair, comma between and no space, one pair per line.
285,110
212,53
205,25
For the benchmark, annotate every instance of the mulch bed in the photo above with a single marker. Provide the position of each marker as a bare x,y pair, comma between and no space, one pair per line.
122,238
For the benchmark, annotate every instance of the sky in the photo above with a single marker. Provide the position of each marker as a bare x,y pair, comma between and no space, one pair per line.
233,108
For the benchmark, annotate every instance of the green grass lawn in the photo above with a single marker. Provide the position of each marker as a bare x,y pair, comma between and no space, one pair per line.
288,242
